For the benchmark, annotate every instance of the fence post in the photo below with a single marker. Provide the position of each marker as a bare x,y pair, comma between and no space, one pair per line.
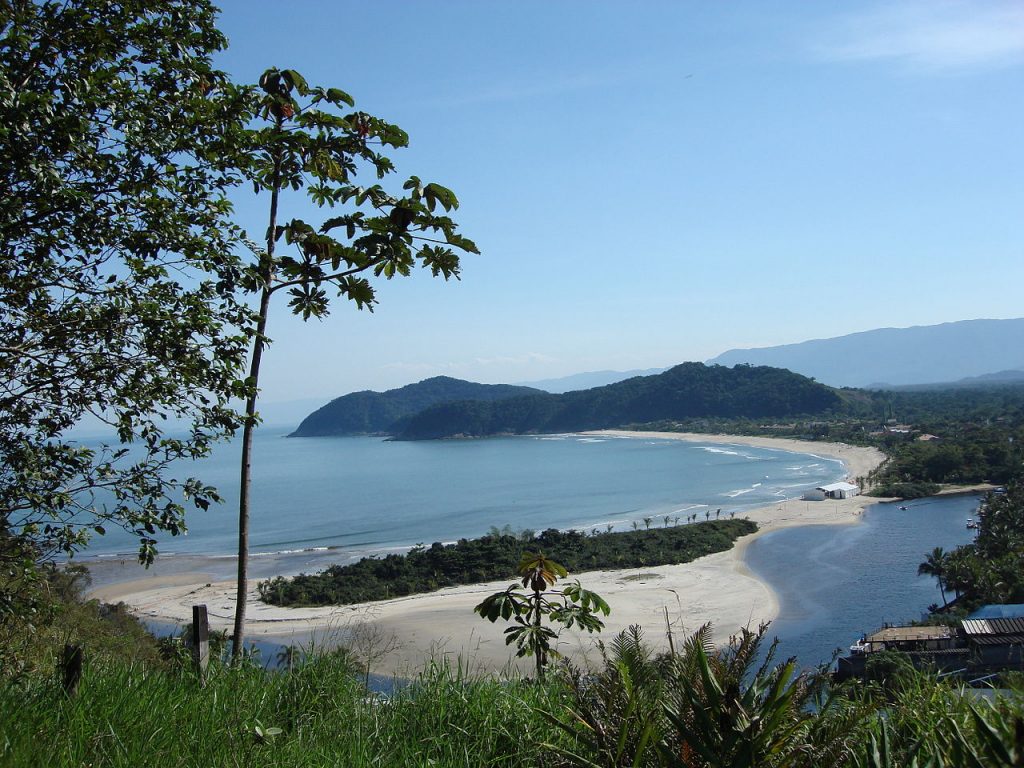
200,641
71,668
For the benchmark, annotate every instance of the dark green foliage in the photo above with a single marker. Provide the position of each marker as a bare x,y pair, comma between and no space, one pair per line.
890,490
367,413
687,390
989,570
889,668
492,557
52,611
963,454
118,144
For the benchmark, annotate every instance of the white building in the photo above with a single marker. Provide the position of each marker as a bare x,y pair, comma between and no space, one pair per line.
838,490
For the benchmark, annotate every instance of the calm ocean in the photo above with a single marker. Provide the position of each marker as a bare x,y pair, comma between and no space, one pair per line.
354,496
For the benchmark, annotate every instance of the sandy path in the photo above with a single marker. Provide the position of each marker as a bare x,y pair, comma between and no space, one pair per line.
716,588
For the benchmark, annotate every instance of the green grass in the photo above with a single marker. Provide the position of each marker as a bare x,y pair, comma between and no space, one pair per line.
126,715
638,710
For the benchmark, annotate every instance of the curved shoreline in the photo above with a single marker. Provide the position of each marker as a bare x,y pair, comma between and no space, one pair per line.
717,588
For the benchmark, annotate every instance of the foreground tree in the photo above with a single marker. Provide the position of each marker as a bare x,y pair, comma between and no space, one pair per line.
310,140
117,146
570,606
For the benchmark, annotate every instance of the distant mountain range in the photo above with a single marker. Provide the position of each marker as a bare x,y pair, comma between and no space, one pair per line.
784,381
370,413
588,380
989,380
889,357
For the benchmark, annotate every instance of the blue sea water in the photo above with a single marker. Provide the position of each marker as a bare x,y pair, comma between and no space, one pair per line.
353,496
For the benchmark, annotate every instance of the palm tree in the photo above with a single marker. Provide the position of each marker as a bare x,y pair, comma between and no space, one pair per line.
935,565
647,522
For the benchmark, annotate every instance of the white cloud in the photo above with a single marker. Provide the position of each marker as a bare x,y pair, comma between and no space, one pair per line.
932,34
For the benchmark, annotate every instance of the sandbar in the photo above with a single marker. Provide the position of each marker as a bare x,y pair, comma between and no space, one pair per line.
399,637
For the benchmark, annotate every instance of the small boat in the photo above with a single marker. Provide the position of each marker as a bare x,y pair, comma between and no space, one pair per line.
903,509
971,523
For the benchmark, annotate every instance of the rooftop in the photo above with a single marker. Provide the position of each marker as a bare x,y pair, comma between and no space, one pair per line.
837,487
907,634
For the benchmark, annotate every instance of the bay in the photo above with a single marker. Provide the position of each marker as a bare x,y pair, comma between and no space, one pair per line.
348,497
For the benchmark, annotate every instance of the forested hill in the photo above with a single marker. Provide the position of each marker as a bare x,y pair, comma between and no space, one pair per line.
367,413
686,391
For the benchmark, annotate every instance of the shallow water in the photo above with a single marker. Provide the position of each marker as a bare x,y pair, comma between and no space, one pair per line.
836,583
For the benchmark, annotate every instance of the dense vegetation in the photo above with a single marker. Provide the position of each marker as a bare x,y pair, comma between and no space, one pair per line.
51,610
687,390
117,293
497,556
931,438
367,413
988,570
693,708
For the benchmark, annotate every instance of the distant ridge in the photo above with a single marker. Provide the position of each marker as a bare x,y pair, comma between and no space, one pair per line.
989,380
588,380
370,413
685,391
898,356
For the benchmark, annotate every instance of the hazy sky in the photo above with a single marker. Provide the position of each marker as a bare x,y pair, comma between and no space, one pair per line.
654,182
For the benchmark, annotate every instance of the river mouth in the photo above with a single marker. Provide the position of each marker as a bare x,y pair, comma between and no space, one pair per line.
835,583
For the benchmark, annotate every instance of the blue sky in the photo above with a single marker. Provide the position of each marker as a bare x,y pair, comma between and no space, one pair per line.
654,182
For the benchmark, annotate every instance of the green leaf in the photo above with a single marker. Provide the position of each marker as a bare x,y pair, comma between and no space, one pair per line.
338,96
435,193
295,80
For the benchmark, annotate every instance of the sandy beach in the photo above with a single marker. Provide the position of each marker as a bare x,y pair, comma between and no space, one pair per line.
401,635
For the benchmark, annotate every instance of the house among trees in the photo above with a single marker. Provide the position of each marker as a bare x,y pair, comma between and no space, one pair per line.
989,641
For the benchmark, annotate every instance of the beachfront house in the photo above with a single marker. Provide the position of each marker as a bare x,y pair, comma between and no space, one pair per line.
832,491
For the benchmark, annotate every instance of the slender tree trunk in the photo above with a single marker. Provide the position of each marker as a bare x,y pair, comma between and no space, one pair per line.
541,654
266,269
238,642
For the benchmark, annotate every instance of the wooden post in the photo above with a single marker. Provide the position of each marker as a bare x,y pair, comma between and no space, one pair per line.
71,668
200,641
668,629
